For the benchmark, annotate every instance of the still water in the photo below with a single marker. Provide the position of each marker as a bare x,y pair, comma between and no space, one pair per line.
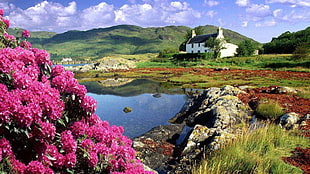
152,105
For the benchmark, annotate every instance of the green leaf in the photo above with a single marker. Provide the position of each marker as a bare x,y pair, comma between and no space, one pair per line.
60,121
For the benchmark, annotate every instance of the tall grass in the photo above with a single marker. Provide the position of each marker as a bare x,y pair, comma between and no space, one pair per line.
259,151
269,109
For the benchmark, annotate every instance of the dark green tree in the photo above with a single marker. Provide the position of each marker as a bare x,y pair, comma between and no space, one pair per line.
216,45
302,51
246,48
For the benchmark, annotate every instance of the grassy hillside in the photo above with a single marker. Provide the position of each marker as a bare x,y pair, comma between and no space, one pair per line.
121,39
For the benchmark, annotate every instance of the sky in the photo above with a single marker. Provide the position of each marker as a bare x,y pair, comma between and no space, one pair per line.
260,20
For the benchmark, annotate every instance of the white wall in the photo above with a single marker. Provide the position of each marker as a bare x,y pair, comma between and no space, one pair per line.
229,51
197,48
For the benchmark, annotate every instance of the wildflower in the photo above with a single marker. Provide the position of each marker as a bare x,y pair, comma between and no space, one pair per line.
34,167
70,160
68,142
1,12
26,34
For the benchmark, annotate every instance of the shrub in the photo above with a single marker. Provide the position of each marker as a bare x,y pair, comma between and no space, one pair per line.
269,109
47,123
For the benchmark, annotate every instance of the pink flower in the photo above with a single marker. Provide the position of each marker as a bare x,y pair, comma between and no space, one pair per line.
25,44
57,70
26,34
68,142
70,160
89,104
9,37
88,145
6,148
17,166
1,12
35,167
93,159
42,56
6,22
59,159
46,132
78,128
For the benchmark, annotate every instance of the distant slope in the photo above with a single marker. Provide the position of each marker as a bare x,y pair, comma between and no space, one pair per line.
121,39
287,42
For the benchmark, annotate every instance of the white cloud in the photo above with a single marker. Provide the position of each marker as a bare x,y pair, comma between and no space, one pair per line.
292,16
159,13
45,15
245,23
97,16
267,23
211,13
211,3
51,16
292,3
243,3
259,10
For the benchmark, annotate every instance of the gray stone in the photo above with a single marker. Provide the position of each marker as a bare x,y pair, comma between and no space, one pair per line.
284,90
289,120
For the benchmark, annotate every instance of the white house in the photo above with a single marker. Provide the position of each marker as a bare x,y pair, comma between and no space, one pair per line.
196,44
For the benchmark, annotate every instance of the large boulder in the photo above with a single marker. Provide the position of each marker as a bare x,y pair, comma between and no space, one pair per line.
215,107
155,147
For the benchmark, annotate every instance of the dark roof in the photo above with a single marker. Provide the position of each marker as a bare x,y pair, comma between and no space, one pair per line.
201,38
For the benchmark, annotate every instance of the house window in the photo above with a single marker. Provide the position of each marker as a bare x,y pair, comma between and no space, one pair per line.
198,51
192,51
198,44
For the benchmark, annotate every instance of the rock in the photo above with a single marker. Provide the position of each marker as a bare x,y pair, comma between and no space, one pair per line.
199,134
127,109
155,147
214,107
284,90
289,120
222,69
106,64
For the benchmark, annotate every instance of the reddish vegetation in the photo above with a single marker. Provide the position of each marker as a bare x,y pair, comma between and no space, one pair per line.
300,157
163,147
292,103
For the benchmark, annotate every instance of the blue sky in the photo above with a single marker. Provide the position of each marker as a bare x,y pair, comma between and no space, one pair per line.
257,19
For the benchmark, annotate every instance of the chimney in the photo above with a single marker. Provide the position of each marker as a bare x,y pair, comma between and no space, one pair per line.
193,33
220,34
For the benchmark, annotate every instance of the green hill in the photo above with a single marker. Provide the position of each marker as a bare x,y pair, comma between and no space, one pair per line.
121,39
287,42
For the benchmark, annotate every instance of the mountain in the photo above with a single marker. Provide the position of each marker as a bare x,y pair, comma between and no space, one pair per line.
121,39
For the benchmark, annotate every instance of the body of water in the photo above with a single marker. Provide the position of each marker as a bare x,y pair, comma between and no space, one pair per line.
150,108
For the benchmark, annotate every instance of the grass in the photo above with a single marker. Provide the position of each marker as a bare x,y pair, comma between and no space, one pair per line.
269,109
259,151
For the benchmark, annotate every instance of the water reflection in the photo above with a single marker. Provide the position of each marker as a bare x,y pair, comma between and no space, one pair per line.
151,106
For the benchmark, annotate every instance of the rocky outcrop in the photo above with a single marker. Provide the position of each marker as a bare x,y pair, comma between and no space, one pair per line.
156,147
104,65
211,118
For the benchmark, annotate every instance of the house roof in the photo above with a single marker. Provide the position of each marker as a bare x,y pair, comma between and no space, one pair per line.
201,38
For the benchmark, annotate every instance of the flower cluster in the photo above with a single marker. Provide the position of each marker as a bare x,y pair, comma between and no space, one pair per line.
7,40
48,124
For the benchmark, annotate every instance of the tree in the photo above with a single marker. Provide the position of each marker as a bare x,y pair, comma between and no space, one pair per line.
216,45
198,30
302,51
246,48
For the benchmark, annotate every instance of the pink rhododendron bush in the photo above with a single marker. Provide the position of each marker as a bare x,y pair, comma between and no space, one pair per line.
47,123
